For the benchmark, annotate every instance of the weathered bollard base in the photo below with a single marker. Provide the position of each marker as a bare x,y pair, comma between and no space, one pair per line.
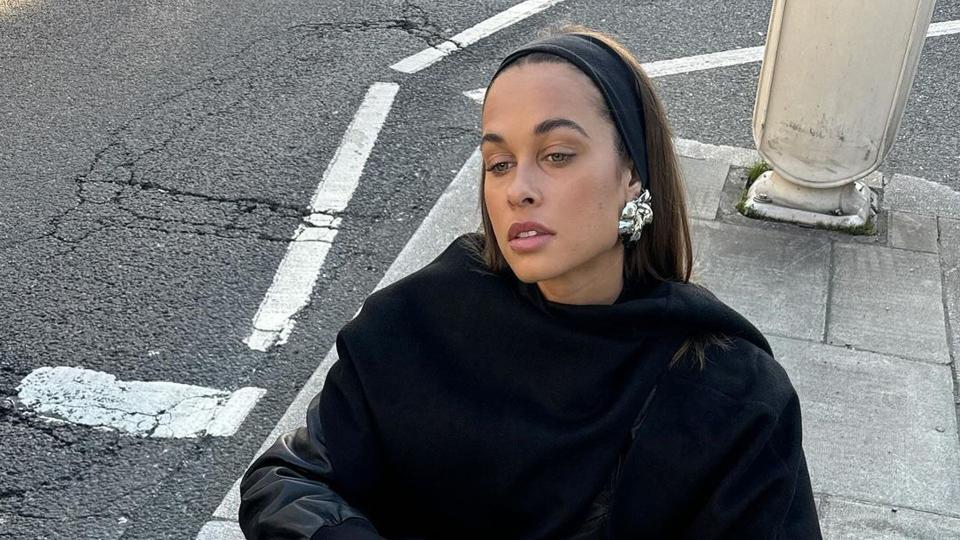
847,206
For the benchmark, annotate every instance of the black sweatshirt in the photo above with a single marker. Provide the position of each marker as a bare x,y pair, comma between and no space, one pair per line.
465,405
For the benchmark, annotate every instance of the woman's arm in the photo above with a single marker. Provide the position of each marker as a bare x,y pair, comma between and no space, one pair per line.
312,483
765,491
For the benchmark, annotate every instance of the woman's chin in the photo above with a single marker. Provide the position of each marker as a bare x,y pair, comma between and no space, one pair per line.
528,272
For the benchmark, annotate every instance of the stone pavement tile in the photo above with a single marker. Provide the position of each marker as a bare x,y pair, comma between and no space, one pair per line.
704,180
921,196
875,427
776,280
913,231
874,181
857,520
887,300
950,266
818,502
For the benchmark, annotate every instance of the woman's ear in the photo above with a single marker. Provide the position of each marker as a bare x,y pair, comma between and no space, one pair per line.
631,182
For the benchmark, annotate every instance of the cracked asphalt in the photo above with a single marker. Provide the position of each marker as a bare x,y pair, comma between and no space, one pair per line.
156,157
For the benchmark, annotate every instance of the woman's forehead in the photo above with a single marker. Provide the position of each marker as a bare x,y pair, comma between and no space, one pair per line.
540,90
539,81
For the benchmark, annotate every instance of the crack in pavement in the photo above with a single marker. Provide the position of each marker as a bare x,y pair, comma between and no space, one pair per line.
130,164
414,21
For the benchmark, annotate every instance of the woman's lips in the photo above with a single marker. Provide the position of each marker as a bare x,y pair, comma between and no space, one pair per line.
530,243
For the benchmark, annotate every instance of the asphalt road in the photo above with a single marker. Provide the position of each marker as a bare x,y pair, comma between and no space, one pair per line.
155,158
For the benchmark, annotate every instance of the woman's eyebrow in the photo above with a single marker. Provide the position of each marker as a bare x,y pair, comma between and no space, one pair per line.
554,123
540,129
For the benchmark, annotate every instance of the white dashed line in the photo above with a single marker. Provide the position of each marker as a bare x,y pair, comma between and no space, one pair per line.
943,28
675,66
298,271
431,55
148,409
733,57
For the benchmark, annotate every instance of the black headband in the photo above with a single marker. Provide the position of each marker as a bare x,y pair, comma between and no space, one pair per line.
612,76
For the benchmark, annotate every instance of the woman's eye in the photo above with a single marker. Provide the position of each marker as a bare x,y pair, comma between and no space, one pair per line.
499,168
559,157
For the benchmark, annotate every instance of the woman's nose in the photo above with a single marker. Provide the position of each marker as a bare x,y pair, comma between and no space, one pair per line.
523,187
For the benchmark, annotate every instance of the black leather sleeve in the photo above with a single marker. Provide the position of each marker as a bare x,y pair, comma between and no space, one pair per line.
311,483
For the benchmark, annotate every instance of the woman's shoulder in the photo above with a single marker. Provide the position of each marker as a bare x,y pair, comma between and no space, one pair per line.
738,372
454,273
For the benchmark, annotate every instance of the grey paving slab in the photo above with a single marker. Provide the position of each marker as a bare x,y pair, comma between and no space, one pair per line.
888,300
915,232
734,155
821,508
950,267
875,180
704,180
876,428
921,196
861,521
775,279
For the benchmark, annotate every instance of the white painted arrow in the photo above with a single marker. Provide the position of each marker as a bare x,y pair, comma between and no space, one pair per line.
148,409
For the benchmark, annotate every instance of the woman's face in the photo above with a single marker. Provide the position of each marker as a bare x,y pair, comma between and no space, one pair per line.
549,156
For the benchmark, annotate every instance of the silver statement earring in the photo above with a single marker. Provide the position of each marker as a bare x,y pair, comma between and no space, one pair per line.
634,216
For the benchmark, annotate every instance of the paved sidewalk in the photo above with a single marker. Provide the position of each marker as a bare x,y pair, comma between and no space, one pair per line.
866,327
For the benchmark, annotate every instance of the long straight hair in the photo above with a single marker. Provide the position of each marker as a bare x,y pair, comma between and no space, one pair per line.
664,251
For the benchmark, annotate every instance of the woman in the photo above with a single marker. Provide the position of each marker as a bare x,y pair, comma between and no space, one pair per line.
556,376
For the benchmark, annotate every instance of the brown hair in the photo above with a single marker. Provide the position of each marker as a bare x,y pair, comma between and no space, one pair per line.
664,252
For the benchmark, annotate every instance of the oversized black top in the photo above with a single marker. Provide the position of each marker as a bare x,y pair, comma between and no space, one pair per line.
465,405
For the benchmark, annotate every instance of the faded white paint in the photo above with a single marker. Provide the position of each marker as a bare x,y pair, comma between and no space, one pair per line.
700,62
9,6
943,28
292,285
149,409
297,274
431,55
220,530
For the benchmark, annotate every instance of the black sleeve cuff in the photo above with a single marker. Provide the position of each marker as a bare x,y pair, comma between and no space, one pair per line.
349,529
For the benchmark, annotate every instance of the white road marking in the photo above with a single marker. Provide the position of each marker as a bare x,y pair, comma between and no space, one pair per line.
943,28
733,57
662,68
455,213
8,6
476,95
431,55
220,530
298,271
149,409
